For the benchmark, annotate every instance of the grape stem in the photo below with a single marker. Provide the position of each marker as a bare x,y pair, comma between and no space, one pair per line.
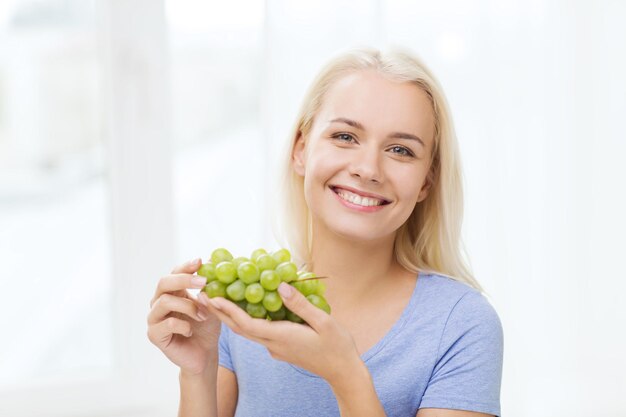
308,279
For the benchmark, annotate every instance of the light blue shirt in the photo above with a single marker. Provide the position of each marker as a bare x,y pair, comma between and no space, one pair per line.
445,351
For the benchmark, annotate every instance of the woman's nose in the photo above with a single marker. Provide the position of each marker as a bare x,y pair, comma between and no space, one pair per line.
366,165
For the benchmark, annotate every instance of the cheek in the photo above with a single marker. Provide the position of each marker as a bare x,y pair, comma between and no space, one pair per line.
411,194
322,166
409,190
320,171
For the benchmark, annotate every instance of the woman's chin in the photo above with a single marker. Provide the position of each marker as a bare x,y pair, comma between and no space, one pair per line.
357,233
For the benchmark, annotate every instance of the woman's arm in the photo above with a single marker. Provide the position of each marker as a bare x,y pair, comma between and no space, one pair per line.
212,393
198,393
355,393
227,392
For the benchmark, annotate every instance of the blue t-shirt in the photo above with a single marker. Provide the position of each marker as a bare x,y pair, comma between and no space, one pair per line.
445,351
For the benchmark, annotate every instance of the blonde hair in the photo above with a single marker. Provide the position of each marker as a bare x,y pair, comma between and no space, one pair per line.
430,240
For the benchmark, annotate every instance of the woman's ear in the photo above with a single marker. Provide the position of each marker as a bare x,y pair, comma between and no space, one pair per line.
298,155
426,187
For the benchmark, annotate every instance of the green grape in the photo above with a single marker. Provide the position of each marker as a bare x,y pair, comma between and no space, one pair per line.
256,253
215,289
321,288
256,310
207,270
251,283
277,315
309,287
287,271
238,261
319,302
236,290
254,293
248,272
281,255
297,285
291,316
306,287
226,272
272,301
270,280
265,262
220,255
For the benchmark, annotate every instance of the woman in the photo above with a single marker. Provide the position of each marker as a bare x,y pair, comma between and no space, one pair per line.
374,201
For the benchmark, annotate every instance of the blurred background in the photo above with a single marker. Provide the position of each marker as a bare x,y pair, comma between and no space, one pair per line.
135,135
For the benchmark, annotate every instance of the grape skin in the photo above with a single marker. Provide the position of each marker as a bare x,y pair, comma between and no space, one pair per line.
226,272
215,289
236,290
207,270
272,301
248,272
256,310
270,280
254,293
220,255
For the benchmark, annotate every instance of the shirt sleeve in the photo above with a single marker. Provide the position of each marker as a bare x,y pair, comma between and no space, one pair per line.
224,349
468,372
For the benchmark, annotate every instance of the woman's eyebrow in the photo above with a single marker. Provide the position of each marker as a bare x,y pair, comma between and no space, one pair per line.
357,125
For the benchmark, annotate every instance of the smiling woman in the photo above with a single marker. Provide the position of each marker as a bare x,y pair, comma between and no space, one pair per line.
406,95
366,162
373,200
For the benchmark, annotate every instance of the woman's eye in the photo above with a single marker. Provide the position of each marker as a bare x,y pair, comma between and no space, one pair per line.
401,150
344,137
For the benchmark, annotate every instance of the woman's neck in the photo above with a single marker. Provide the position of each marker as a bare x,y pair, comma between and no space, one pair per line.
357,270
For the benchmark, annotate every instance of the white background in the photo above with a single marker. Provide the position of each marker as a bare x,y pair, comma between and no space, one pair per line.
135,135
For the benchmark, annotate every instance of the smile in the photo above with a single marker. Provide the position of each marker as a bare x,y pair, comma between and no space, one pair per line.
357,199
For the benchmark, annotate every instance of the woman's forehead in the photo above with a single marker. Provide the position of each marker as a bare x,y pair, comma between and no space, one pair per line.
378,104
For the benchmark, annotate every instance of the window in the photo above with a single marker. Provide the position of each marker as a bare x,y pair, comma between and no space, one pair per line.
53,196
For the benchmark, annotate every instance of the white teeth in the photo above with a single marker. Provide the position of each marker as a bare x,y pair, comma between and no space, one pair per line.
357,199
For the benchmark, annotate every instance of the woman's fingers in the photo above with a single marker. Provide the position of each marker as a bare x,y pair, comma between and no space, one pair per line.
168,303
188,267
177,282
180,279
296,302
208,304
238,320
161,333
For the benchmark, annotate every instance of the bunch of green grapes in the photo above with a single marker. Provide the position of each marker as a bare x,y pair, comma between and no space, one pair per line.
252,283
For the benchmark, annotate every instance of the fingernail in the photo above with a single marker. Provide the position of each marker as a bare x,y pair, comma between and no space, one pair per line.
202,298
202,315
198,282
285,290
193,261
215,304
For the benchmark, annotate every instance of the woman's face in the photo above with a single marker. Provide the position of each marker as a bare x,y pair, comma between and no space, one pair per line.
366,159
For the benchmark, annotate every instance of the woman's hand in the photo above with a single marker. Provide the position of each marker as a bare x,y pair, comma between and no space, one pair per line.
325,348
178,325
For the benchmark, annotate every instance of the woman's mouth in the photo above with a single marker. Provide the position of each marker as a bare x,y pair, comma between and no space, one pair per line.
358,199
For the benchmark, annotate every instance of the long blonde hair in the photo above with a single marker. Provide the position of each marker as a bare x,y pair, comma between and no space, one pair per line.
430,239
